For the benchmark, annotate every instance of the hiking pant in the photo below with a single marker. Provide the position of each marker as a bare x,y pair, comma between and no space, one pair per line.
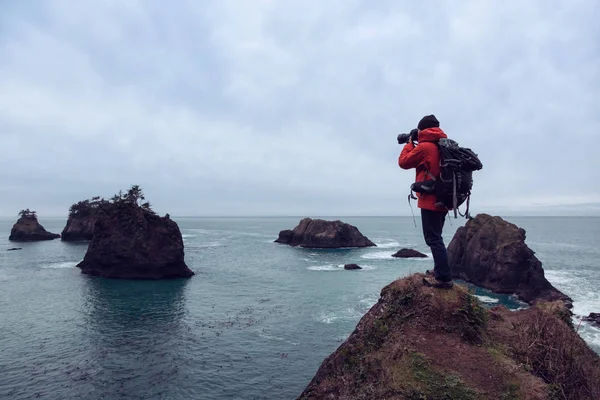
433,223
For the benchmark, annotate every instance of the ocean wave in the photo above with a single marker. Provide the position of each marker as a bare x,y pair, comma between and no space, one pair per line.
186,235
67,264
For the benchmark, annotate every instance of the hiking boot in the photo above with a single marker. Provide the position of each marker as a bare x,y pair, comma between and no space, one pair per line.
432,282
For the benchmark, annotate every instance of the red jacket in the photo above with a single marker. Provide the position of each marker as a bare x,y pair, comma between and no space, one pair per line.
424,157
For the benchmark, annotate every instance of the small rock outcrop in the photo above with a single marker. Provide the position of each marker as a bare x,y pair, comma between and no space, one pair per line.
14,248
352,266
417,342
28,229
491,252
318,233
408,253
594,318
131,241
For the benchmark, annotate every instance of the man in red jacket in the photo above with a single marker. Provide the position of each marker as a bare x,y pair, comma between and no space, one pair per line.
425,157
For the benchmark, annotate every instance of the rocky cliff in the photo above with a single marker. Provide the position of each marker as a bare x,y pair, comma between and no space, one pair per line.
491,253
318,233
423,343
79,228
28,229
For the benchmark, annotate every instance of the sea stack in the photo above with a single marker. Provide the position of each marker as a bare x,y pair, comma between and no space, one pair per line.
491,252
131,241
28,229
318,233
82,219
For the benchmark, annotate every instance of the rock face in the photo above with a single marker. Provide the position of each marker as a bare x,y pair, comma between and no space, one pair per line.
318,233
28,229
423,343
491,252
409,253
351,266
130,242
79,228
594,318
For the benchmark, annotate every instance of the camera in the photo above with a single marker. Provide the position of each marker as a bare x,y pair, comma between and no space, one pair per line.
406,137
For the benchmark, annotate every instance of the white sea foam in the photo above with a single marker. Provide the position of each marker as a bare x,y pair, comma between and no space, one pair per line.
67,264
186,235
558,276
328,267
378,255
369,300
388,245
329,317
487,299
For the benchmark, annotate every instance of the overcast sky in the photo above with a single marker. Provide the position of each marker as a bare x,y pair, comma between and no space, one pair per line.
292,107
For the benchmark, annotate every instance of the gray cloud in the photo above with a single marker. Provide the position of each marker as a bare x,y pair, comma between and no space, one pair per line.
279,108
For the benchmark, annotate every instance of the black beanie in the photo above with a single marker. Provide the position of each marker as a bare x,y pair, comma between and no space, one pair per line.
428,121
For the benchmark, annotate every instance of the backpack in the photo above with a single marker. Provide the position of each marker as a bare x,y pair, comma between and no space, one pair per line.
453,187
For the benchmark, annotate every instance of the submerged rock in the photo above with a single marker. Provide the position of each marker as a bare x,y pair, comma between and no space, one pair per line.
408,253
419,342
352,266
132,242
318,233
594,318
28,229
491,252
14,248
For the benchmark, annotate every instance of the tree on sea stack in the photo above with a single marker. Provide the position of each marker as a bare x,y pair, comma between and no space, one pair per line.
26,213
130,241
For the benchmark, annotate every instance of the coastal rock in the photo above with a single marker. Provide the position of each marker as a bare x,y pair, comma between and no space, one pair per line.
594,318
491,252
132,242
418,342
14,248
79,228
318,233
28,229
351,266
408,253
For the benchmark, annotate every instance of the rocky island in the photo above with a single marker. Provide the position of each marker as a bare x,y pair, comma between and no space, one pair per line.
319,233
409,253
28,229
130,241
491,253
423,343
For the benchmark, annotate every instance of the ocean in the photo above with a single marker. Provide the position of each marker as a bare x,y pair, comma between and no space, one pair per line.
255,322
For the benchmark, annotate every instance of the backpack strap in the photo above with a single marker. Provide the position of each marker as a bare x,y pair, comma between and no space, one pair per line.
429,174
454,198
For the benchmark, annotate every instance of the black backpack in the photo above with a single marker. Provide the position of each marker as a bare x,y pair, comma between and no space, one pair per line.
453,187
